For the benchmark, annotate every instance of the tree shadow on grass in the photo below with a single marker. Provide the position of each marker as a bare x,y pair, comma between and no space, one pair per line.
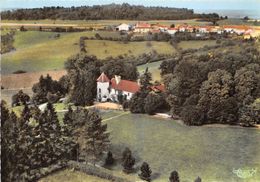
155,175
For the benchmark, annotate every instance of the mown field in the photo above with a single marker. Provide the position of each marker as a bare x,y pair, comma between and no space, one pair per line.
211,152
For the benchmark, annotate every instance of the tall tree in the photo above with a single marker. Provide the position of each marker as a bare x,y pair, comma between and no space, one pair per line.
83,71
215,97
126,70
96,137
128,163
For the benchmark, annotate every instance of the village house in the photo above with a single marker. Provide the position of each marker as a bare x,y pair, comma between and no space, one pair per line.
123,27
142,28
172,31
161,28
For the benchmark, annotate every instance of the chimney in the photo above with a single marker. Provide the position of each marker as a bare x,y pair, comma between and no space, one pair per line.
138,82
118,79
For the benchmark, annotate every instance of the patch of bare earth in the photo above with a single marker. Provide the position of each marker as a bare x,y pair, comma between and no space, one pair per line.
108,105
26,80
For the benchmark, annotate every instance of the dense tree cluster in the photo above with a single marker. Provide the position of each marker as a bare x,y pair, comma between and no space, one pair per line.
37,140
215,87
126,70
146,100
32,141
49,90
111,11
83,72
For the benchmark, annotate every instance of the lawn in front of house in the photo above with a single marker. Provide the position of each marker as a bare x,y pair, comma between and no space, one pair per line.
209,152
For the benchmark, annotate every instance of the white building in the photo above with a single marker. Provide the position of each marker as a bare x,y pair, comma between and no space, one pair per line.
123,27
142,28
172,31
116,87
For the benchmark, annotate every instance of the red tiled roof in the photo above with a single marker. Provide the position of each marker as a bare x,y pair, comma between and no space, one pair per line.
244,27
172,28
143,25
125,85
160,26
103,78
159,87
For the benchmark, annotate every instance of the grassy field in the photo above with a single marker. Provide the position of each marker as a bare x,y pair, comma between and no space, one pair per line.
71,176
233,21
195,44
209,152
41,51
153,69
103,48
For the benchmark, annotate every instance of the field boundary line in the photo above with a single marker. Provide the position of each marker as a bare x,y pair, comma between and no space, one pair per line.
115,116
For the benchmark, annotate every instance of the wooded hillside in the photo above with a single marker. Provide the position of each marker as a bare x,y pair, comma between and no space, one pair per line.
98,12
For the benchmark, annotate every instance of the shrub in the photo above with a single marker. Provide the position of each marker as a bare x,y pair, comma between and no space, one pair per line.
145,172
128,163
19,72
174,177
20,98
109,160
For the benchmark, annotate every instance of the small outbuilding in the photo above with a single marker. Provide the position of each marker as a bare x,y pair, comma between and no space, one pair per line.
123,27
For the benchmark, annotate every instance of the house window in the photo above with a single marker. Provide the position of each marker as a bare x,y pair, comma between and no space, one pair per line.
128,94
99,90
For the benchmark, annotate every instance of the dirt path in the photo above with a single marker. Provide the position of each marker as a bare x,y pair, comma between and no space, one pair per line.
116,116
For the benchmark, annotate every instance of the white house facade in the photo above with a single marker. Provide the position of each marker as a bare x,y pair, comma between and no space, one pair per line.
123,27
115,88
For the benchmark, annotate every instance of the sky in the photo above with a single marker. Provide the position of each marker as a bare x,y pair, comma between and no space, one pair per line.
192,4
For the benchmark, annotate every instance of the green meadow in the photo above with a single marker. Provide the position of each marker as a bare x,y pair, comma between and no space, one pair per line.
211,152
195,44
44,51
153,69
103,48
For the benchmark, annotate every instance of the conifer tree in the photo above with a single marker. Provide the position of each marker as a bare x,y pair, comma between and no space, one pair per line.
95,135
174,177
8,144
128,163
126,152
26,112
198,179
109,160
69,130
145,172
